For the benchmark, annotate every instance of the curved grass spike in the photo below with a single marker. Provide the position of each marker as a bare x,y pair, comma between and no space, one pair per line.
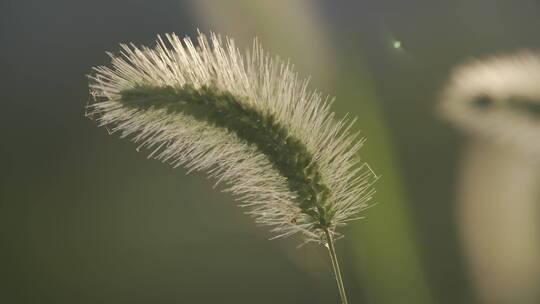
223,110
249,122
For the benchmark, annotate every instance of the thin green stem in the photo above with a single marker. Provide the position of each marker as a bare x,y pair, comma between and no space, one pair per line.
335,265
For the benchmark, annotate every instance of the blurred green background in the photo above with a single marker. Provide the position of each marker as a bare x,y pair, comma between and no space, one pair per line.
86,219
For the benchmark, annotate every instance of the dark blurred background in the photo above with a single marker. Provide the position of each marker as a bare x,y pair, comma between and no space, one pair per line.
86,219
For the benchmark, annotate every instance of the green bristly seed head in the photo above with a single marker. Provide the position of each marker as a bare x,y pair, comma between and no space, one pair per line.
223,110
247,120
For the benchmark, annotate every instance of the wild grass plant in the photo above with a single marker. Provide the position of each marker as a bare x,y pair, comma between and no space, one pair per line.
250,122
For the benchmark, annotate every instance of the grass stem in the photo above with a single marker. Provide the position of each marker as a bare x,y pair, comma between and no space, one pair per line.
335,265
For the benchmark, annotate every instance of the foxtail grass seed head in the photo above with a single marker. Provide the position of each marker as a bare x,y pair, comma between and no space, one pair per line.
498,98
247,120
